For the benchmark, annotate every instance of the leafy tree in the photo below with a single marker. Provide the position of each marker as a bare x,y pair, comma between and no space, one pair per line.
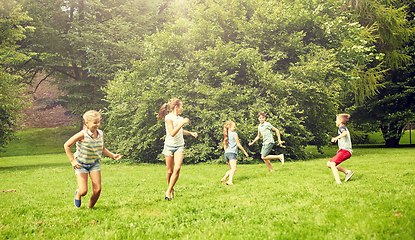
13,27
391,109
230,60
82,44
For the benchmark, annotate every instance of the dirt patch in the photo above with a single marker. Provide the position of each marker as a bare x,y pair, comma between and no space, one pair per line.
49,118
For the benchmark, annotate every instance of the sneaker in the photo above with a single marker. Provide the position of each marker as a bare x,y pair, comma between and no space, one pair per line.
77,202
282,159
349,174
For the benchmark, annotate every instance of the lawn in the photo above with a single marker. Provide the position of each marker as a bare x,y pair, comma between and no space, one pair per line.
39,141
298,201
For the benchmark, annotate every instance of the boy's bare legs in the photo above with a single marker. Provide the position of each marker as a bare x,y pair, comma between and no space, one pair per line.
268,163
96,188
342,169
270,157
232,164
335,170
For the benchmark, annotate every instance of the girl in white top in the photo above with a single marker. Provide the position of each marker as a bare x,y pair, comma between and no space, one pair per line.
174,142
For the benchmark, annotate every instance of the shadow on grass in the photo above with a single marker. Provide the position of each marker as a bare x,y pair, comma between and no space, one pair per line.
33,166
247,178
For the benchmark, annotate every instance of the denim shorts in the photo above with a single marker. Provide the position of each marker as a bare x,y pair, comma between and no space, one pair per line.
87,168
230,156
266,149
169,150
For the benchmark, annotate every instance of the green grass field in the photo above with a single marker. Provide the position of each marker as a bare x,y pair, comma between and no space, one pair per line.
39,141
298,201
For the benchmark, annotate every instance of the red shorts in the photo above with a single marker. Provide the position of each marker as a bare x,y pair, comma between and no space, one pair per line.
341,156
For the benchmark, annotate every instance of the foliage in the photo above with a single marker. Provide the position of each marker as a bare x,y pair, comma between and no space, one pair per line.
82,44
12,30
228,60
392,108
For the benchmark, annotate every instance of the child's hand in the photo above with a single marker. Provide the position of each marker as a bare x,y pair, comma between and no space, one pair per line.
250,144
193,134
76,164
117,157
246,154
281,142
186,120
333,140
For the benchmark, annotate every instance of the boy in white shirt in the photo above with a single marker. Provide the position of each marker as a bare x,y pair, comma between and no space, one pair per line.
345,149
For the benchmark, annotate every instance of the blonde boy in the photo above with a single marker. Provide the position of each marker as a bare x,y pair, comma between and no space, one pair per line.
345,148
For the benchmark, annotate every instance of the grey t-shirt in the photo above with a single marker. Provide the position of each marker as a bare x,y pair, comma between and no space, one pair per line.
232,147
345,142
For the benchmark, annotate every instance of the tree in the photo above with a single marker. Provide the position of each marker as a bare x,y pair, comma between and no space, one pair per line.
391,108
13,27
228,60
82,44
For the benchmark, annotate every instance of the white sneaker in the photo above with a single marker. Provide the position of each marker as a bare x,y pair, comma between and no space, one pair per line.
282,159
349,174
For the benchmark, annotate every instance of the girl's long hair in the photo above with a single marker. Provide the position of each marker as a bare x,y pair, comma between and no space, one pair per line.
171,105
228,125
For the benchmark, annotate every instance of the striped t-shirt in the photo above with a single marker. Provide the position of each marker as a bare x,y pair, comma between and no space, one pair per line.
266,132
90,149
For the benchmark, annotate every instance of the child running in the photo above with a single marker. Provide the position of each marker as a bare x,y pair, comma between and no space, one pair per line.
86,160
230,142
345,148
264,130
174,142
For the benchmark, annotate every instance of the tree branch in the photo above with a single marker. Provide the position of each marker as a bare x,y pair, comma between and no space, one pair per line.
42,81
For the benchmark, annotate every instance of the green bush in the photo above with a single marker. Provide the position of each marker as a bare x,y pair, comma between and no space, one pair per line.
229,61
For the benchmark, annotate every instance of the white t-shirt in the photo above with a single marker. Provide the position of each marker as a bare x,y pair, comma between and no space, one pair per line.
345,142
178,139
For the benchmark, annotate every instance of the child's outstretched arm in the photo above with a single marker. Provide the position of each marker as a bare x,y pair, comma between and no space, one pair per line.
194,134
256,139
278,135
67,146
107,153
240,146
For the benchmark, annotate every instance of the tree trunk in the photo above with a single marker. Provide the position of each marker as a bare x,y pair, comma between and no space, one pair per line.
392,142
392,134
